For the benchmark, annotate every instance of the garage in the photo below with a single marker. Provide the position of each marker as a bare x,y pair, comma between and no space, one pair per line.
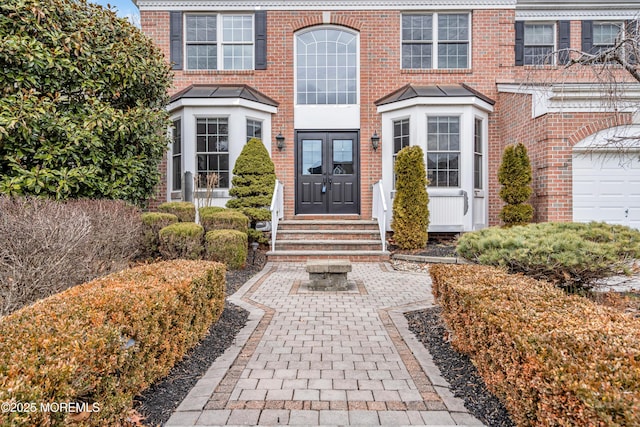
606,177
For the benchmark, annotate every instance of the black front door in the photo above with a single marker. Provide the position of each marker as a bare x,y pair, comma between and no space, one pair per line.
327,165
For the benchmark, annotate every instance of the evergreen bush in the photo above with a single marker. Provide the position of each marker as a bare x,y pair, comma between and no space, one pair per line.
210,209
185,211
515,177
182,240
225,220
227,246
152,223
410,204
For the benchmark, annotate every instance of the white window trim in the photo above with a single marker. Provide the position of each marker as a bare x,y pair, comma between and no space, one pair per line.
554,48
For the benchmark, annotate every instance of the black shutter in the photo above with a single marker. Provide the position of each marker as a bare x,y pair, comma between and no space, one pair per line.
587,36
564,41
175,39
519,42
261,39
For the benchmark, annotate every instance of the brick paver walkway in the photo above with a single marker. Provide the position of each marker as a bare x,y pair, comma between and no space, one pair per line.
326,358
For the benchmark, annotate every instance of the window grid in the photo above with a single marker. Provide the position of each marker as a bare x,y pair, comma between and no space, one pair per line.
212,152
176,161
326,67
605,35
443,151
237,42
477,154
400,140
539,44
201,36
419,41
254,129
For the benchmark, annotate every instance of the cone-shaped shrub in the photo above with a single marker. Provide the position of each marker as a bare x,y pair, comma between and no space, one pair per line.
185,211
152,223
410,204
227,246
253,182
181,240
515,176
225,220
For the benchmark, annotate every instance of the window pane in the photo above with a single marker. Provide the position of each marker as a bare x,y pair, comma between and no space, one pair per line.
452,55
453,27
416,55
443,151
212,150
538,44
606,33
312,157
254,129
417,27
200,28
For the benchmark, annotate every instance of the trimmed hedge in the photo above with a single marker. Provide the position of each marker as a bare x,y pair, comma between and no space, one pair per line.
206,210
107,340
227,246
152,223
553,359
181,240
572,255
226,220
185,211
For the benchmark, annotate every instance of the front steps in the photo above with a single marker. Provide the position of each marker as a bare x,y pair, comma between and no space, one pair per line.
352,239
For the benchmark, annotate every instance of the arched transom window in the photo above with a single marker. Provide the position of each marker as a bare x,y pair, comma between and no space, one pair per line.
326,67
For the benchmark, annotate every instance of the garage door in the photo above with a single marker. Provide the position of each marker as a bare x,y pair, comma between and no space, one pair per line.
606,187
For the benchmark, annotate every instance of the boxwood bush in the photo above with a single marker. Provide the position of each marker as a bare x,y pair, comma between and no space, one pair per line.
225,220
227,246
152,223
107,340
572,255
181,240
185,211
553,359
206,210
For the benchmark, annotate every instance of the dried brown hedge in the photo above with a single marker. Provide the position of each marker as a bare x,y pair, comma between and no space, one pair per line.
553,359
105,341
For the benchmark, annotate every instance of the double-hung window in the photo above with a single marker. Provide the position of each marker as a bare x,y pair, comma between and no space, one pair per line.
443,151
176,155
212,151
539,43
219,42
605,35
400,140
438,40
254,129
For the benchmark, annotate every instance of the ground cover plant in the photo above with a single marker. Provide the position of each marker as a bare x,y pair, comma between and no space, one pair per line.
572,255
553,359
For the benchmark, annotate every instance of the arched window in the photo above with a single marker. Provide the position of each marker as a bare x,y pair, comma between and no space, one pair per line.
327,67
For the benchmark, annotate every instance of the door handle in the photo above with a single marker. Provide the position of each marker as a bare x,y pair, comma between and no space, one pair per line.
330,182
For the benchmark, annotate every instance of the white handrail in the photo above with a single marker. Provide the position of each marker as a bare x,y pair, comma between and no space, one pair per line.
379,211
277,211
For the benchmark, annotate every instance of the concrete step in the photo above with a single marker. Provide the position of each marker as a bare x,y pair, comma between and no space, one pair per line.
321,224
329,245
303,255
329,234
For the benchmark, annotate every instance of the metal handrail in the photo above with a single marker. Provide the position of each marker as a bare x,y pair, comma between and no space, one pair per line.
379,211
277,211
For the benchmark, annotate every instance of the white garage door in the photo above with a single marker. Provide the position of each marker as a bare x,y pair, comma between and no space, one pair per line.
606,187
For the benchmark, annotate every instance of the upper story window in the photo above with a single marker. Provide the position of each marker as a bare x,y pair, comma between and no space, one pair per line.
605,35
219,42
438,40
327,67
539,43
443,151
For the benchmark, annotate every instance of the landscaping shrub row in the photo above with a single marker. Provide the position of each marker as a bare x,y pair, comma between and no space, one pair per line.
552,358
105,341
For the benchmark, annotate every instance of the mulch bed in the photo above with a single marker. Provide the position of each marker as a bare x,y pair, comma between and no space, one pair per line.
437,246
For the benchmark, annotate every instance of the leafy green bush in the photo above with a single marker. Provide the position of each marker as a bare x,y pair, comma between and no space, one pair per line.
227,246
572,255
225,220
83,97
181,240
185,211
552,359
206,210
152,223
105,341
515,176
410,204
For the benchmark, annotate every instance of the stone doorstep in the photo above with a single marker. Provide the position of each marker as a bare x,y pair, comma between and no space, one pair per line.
331,266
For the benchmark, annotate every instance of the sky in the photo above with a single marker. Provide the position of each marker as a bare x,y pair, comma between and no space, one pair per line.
124,8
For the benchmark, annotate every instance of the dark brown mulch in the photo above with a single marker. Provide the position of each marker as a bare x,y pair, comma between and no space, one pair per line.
158,402
437,246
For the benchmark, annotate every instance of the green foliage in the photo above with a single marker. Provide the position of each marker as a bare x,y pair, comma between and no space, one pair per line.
106,341
225,220
181,240
257,236
573,255
515,176
253,182
410,204
82,103
206,210
152,223
185,211
227,246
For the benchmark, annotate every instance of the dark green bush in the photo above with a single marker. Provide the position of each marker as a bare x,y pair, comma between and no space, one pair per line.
225,220
515,177
227,246
106,341
410,204
572,255
185,211
181,240
152,223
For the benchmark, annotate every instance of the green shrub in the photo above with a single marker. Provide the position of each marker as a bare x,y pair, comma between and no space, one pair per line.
185,211
226,220
410,204
552,359
515,176
105,341
206,210
572,255
181,240
152,223
227,246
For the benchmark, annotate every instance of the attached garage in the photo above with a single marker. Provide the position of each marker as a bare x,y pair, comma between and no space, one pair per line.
606,177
